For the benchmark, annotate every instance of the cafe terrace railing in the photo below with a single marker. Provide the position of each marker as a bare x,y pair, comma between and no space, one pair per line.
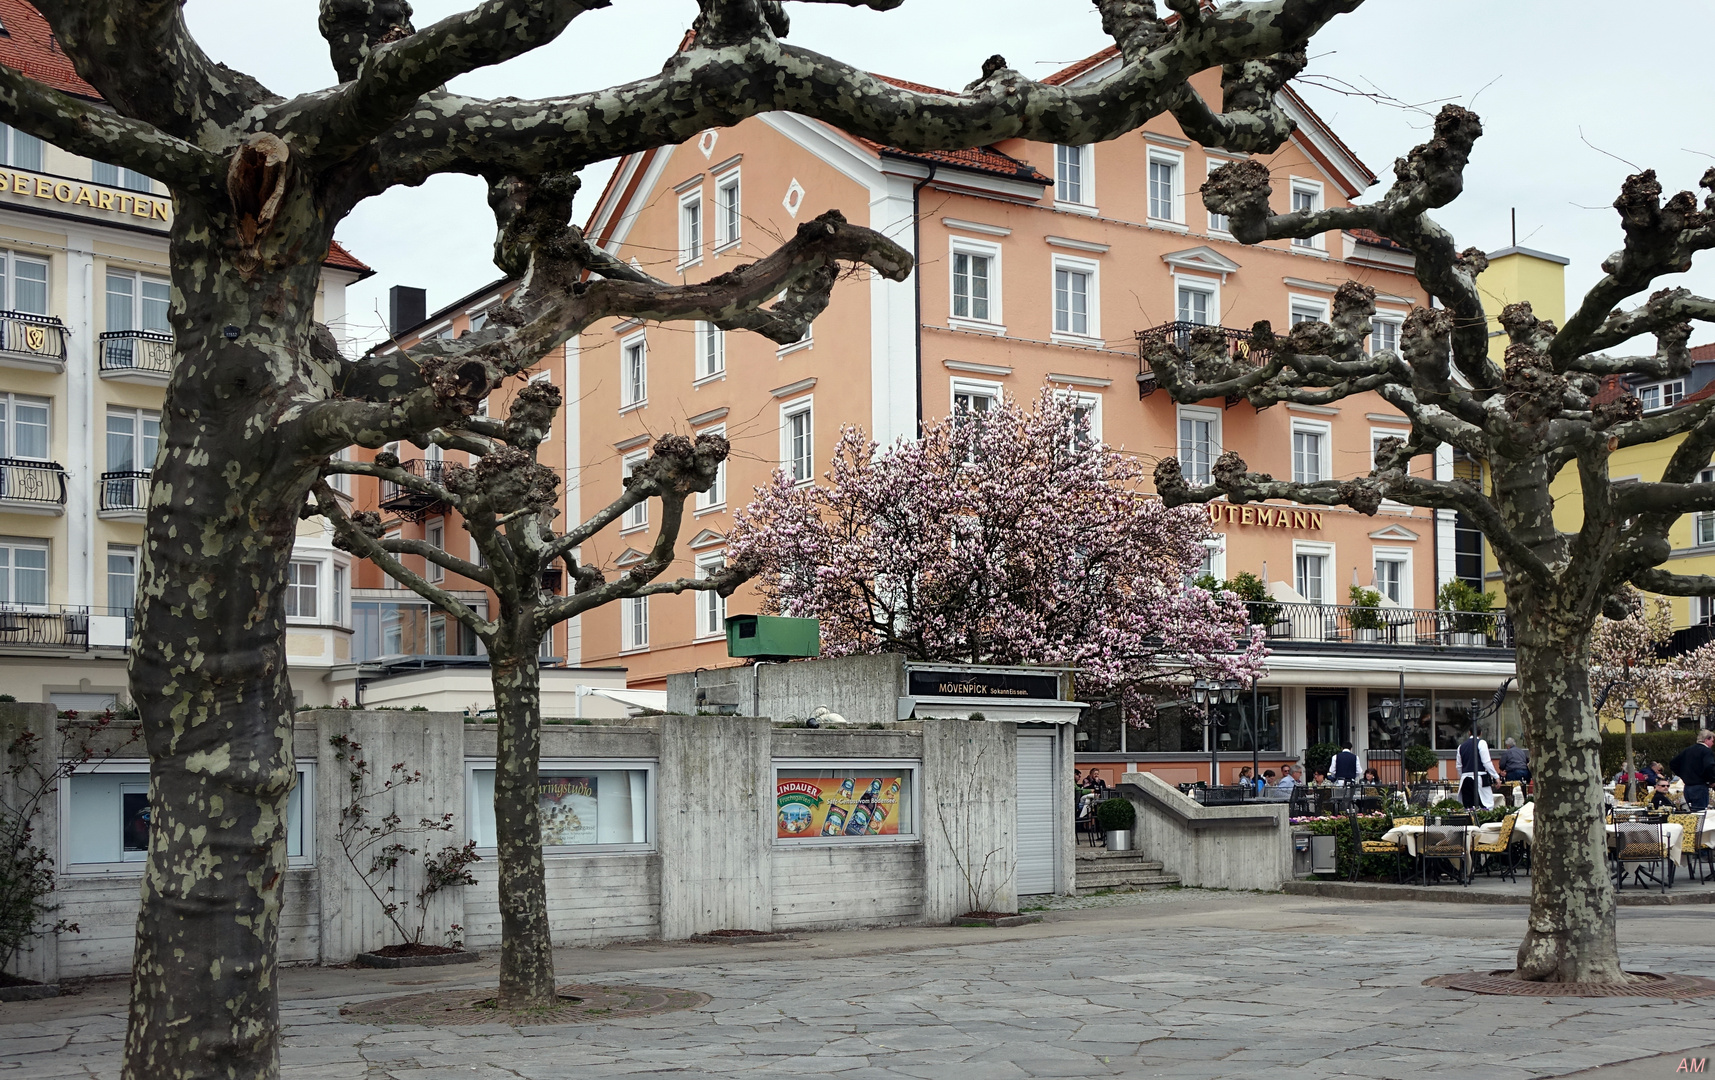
36,337
57,626
1330,624
141,351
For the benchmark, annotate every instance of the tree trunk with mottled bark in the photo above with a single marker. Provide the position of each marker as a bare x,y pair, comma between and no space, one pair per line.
526,938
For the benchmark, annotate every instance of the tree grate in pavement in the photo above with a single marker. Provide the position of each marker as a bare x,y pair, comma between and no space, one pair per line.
1645,984
579,1004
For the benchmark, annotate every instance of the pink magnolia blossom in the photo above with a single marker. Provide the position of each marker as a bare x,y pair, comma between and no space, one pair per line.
1004,537
1629,649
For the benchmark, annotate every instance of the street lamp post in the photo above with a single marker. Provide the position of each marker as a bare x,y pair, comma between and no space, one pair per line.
1630,709
1208,695
1200,698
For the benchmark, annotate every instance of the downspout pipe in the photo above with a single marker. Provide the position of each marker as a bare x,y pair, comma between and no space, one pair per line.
917,281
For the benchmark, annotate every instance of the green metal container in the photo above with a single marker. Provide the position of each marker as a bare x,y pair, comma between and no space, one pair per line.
772,637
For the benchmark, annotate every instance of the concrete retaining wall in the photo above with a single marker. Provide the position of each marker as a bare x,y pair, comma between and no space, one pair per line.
1212,847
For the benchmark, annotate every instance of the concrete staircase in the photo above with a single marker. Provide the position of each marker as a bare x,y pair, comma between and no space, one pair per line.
1119,871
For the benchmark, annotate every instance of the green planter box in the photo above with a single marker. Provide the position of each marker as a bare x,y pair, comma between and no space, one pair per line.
773,637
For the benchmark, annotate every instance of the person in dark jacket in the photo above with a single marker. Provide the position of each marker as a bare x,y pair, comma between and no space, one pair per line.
1696,766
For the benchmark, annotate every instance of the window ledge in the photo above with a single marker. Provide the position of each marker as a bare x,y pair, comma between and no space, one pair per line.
976,326
1083,341
634,651
689,264
719,376
1077,208
635,405
1169,226
629,529
796,346
717,508
729,245
1320,253
703,639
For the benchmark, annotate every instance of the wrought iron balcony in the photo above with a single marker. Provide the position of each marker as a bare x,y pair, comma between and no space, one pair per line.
57,626
406,502
141,352
40,484
32,337
1349,625
1237,344
121,491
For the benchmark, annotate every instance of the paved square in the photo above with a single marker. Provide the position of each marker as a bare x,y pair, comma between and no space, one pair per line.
1181,984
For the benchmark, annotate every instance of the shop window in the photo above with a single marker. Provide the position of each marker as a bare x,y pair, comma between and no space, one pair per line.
583,806
847,801
108,818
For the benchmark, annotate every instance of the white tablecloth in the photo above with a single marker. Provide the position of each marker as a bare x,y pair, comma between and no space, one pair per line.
1409,835
1672,835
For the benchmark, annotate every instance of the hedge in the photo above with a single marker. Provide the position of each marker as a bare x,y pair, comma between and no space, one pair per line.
1650,746
1371,827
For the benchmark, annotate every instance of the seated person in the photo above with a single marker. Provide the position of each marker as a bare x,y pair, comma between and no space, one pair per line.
1649,774
1320,780
1371,778
1664,799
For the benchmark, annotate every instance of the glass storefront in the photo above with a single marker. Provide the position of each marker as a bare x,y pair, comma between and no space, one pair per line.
1178,727
407,628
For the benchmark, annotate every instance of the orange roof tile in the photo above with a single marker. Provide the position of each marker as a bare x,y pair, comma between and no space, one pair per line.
341,259
28,46
1702,353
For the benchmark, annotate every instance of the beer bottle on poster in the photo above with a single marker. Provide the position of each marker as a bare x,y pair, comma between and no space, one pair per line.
835,823
877,818
892,789
858,823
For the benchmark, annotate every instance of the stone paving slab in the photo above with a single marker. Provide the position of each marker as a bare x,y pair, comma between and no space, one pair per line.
1209,987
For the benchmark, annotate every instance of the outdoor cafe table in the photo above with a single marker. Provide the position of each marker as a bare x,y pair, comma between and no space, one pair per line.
1408,835
1672,835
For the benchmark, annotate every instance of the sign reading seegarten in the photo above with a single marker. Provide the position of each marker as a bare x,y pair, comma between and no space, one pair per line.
33,191
982,684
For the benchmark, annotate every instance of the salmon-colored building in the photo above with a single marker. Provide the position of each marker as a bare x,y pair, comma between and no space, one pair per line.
1038,266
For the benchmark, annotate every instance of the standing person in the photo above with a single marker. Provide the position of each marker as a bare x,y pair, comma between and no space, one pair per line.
1477,773
1696,766
1343,767
1515,762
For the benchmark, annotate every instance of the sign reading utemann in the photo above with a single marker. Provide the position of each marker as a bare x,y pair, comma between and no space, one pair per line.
990,684
29,187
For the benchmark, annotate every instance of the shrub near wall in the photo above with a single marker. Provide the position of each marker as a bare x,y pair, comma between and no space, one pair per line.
1372,827
1650,746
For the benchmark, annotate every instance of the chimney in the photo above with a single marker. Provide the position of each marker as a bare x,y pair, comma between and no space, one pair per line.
406,307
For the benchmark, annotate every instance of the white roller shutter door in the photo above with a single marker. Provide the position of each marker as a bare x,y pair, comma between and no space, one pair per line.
1036,825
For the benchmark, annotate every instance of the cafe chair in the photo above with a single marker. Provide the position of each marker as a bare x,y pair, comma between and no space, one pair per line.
1502,850
1640,849
1086,819
1388,847
1445,842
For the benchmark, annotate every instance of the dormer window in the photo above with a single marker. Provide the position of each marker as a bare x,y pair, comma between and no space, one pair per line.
1661,395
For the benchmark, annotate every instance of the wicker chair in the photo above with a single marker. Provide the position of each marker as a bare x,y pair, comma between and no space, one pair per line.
1691,845
1640,847
1388,847
1501,849
1449,846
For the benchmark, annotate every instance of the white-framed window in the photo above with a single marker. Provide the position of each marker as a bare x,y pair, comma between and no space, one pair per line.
1303,309
20,149
633,371
711,350
1313,571
729,210
1166,189
845,801
798,440
1703,611
303,583
105,808
24,426
975,291
638,516
595,805
478,320
1384,333
1306,199
1312,460
133,436
1077,299
972,397
1703,523
1196,300
121,581
711,605
690,227
137,302
1214,561
715,497
23,283
1199,443
23,572
1217,222
1393,574
808,341
341,612
1086,420
1072,179
634,623
1661,395
114,176
435,534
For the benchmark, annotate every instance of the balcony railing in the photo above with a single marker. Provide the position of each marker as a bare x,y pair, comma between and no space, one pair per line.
125,490
37,337
1237,344
147,352
41,483
1351,625
407,503
56,626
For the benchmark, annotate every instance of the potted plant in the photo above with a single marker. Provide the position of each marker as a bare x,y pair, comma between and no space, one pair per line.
1115,817
1418,760
1473,622
1263,610
1366,613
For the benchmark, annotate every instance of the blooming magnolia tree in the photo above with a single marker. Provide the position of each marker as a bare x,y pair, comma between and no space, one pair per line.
1002,537
1628,653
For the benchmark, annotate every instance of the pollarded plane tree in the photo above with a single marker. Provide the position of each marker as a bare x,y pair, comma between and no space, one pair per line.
1528,418
259,399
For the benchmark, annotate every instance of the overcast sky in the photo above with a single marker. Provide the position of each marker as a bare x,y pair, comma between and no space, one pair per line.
1565,89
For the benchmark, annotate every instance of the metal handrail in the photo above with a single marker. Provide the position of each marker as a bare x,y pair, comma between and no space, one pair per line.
28,334
48,625
1183,335
125,490
137,350
27,481
1354,625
